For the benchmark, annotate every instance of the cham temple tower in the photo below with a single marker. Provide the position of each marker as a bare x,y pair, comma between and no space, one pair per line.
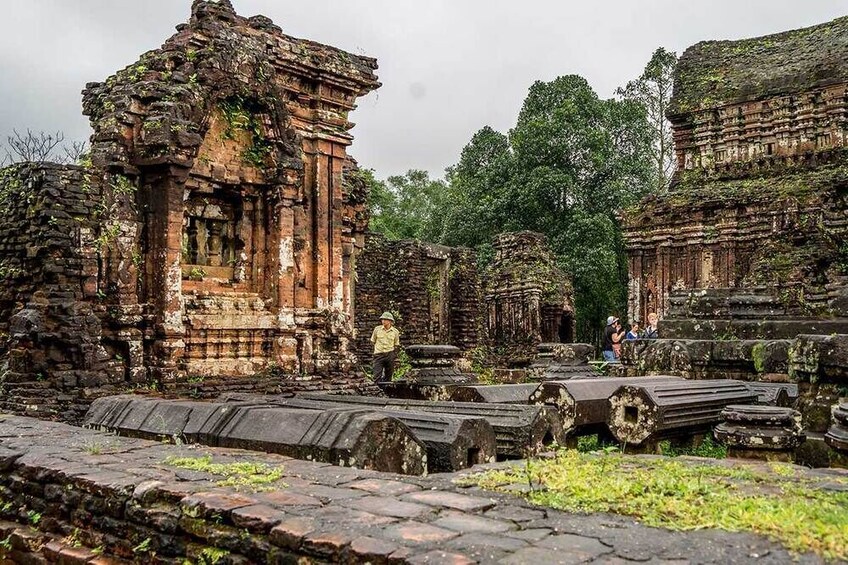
213,233
759,197
745,258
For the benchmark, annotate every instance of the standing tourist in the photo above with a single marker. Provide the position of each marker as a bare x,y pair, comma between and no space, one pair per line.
633,333
386,340
651,331
613,334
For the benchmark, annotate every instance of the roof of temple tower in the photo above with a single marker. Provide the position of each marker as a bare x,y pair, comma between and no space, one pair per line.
712,74
156,110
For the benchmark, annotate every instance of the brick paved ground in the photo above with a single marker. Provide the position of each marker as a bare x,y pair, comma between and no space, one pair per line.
117,494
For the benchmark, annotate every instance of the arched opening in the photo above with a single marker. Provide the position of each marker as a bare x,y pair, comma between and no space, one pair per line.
567,328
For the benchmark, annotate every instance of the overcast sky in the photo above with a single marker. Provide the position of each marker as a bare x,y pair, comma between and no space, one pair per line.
448,67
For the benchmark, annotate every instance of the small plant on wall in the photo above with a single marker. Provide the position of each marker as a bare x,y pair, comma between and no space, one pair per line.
196,274
242,116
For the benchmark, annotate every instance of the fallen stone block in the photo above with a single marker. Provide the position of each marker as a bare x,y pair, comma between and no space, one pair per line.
495,394
349,438
520,430
432,376
563,354
435,364
454,442
775,394
357,438
565,372
583,405
654,411
837,436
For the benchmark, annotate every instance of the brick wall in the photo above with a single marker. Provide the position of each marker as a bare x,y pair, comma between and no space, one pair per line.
433,289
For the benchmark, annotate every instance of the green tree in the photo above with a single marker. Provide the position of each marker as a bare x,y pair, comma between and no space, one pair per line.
570,163
579,160
407,206
653,90
477,201
566,168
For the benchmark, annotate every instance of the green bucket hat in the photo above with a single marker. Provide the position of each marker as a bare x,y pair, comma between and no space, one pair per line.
387,316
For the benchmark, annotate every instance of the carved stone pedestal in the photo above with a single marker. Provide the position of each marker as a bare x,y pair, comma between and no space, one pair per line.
760,432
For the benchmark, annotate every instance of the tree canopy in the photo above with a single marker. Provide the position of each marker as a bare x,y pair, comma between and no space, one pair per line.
406,206
572,161
653,90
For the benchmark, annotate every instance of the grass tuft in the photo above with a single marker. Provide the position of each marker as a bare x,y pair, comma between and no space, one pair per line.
247,475
681,495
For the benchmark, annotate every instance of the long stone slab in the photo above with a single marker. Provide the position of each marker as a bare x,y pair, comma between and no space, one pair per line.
751,329
495,394
519,430
583,405
454,441
362,438
652,411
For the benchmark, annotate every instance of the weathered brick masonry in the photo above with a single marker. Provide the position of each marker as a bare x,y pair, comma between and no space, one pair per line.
211,237
442,297
760,193
435,290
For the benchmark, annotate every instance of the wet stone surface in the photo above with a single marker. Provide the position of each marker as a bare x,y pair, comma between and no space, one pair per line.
121,497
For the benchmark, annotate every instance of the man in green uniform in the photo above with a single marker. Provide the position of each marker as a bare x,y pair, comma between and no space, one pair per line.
386,340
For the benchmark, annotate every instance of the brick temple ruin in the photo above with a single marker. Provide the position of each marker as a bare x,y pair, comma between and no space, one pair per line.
745,258
215,246
442,296
211,237
759,198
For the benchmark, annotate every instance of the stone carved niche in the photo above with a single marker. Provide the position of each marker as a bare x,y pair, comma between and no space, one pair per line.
211,246
230,312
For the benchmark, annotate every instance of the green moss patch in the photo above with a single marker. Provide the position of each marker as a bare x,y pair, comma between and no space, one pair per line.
776,501
713,73
243,475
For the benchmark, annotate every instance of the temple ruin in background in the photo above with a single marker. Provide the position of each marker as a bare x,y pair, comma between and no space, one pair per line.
529,300
441,296
211,237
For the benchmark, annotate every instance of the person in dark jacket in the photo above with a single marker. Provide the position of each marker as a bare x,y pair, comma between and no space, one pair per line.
613,335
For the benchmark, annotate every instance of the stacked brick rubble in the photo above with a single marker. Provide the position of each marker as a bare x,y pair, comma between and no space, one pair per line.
744,258
212,236
51,315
